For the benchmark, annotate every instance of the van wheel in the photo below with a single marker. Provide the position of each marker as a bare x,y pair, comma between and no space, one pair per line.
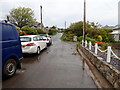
38,51
10,68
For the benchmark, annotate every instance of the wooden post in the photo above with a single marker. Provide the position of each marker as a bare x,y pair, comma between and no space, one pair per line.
83,61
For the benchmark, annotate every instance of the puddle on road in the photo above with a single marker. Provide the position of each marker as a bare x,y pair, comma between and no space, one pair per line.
21,71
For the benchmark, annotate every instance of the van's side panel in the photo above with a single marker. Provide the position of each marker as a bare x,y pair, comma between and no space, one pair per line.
11,46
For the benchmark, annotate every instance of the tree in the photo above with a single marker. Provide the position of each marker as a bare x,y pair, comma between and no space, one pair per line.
95,25
52,31
22,16
77,28
93,32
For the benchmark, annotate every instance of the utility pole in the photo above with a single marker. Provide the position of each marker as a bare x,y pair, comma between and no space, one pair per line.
84,22
65,24
41,14
41,18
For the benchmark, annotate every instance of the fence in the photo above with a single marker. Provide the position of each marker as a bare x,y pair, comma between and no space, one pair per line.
108,55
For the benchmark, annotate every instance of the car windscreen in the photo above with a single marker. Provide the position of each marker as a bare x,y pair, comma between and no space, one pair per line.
25,39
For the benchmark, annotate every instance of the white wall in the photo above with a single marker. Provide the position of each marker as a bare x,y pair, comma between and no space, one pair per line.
116,37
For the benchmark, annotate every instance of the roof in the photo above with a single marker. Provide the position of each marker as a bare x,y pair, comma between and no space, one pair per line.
109,27
115,32
116,29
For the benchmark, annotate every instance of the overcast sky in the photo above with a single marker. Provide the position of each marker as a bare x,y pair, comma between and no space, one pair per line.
56,12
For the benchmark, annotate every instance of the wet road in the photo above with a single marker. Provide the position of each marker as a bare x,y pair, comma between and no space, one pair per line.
57,67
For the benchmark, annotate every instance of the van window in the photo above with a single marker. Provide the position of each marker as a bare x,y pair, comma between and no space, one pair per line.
25,39
8,32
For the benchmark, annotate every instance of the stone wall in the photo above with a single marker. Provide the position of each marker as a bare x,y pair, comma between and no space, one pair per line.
107,70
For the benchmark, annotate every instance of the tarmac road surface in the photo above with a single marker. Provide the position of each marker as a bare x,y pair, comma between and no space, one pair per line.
59,66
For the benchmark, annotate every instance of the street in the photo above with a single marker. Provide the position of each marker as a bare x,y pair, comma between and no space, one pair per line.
59,66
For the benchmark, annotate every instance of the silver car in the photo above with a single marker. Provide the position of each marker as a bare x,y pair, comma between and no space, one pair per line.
47,39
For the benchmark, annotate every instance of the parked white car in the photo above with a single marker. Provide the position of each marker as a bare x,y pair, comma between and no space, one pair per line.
32,44
47,39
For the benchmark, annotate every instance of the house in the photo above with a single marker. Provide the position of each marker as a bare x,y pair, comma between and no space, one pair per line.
116,34
116,30
39,25
109,27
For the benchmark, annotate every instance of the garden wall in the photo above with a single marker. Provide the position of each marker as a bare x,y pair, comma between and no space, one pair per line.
107,70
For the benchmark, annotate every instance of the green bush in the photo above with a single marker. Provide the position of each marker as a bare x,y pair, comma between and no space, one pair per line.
18,29
99,38
22,33
80,39
52,31
67,37
39,31
28,30
31,31
87,38
91,39
93,32
104,46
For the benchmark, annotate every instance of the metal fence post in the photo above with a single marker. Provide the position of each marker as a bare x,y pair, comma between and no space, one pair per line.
109,54
90,45
86,43
96,47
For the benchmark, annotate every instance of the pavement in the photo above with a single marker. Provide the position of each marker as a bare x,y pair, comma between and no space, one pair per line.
59,66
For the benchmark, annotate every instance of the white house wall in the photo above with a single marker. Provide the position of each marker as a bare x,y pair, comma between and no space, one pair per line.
116,37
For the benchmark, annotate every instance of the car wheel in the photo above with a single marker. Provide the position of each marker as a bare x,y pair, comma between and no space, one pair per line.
38,51
10,68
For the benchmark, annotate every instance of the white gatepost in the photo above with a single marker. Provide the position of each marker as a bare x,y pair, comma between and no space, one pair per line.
90,45
109,54
82,42
96,48
86,43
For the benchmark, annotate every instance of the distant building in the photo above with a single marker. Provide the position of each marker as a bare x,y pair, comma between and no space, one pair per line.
116,34
38,25
109,27
116,30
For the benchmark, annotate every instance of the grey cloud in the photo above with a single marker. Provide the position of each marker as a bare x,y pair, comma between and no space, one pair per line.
56,12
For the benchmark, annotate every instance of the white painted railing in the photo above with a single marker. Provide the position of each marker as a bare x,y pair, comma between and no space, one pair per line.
108,51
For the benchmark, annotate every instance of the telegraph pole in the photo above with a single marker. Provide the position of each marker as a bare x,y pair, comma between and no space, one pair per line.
84,31
84,22
65,24
41,14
